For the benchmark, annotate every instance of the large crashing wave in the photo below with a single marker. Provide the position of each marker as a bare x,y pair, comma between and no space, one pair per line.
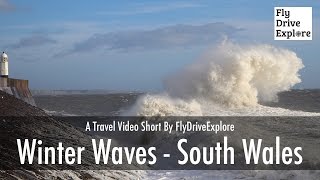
229,80
233,75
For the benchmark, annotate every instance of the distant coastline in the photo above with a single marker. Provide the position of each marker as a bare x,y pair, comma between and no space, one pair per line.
80,92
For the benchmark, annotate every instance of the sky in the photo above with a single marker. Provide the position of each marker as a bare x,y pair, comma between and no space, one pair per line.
134,45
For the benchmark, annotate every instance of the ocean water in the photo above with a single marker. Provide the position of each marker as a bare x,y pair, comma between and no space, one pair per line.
87,105
299,101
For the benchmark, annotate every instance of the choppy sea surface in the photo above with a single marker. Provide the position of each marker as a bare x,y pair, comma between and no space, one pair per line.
117,103
87,105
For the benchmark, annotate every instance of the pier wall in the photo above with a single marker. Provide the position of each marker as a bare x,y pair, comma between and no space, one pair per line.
18,88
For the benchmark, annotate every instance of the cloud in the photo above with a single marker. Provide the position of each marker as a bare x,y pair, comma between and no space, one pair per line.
148,9
6,6
160,38
35,40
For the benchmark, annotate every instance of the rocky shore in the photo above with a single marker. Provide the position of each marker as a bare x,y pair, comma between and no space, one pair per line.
33,122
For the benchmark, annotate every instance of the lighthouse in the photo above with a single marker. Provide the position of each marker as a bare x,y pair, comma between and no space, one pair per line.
4,68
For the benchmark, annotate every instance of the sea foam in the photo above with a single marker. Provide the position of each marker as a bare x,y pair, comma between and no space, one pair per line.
229,79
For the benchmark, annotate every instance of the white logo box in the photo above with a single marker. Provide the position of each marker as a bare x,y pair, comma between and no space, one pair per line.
293,23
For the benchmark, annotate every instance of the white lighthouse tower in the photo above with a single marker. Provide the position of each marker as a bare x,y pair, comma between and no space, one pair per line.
4,67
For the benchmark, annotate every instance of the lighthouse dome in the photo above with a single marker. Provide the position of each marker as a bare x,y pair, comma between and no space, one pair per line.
4,56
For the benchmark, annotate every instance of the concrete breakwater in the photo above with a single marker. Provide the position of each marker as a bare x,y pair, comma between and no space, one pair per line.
18,88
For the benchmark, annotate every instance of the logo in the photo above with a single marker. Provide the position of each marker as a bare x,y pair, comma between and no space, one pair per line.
293,23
